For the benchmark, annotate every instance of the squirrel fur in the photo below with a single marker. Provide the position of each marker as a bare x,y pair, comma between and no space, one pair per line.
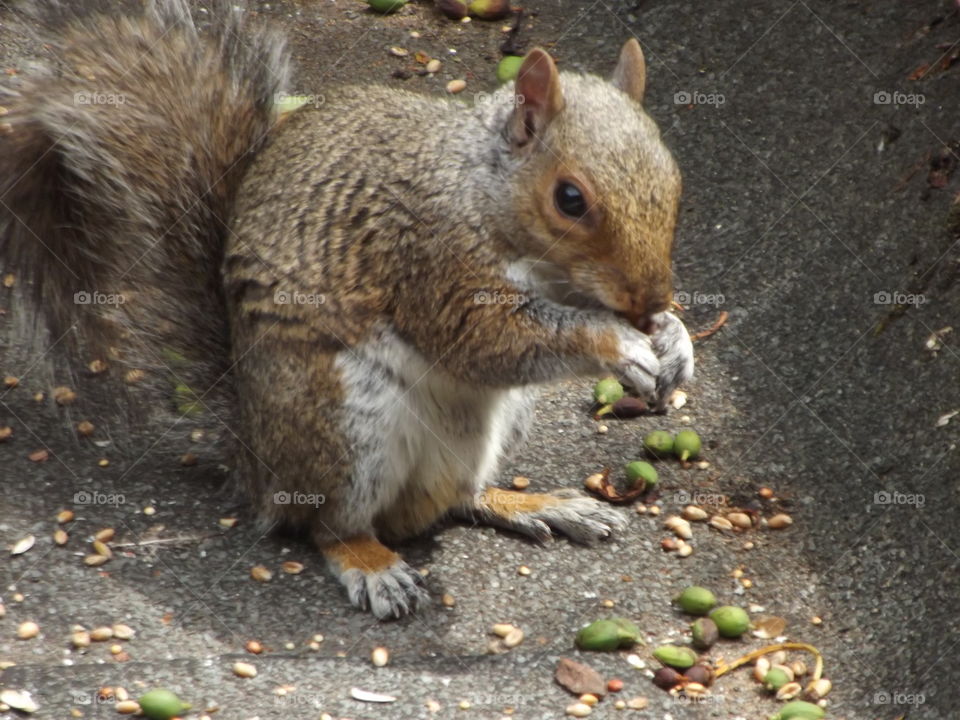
364,293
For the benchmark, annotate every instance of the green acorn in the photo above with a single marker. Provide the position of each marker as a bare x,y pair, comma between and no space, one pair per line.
658,443
386,6
696,600
705,633
607,391
507,70
490,9
686,445
799,710
675,656
776,678
161,704
732,622
607,635
639,469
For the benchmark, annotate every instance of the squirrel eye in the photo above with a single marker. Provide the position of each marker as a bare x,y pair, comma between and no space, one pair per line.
570,201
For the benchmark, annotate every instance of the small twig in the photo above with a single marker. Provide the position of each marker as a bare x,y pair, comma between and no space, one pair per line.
189,538
721,321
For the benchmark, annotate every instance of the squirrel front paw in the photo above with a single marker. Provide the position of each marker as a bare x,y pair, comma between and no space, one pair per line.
639,366
674,349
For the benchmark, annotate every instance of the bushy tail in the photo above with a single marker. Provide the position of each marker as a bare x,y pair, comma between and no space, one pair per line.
118,169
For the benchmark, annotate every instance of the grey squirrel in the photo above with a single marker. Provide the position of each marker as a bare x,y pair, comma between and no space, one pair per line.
365,293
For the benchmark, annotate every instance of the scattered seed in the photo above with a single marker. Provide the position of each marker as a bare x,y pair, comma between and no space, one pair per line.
685,550
101,634
38,397
10,381
524,570
608,603
456,86
747,583
103,462
521,483
261,573
63,395
228,522
128,707
579,710
799,668
101,548
188,459
694,513
448,600
149,510
594,482
620,705
502,629
95,560
244,670
641,509
134,376
64,516
740,520
513,638
5,432
748,545
433,66
589,699
85,428
780,521
380,657
116,649
654,510
253,647
123,632
637,703
789,691
819,688
816,620
292,567
22,545
38,456
399,51
97,366
464,705
28,630
668,544
765,492
720,523
614,685
679,527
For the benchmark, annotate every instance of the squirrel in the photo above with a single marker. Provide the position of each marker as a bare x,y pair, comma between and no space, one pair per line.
375,284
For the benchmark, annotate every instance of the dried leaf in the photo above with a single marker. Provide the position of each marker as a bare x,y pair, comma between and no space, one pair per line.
579,678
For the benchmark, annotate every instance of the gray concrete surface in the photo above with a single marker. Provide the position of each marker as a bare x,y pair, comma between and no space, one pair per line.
795,216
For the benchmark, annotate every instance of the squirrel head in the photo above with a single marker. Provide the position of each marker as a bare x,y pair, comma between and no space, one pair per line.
595,189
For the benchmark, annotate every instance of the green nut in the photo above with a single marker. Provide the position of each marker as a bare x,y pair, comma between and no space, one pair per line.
607,391
161,704
799,710
732,622
686,445
507,70
386,6
658,443
705,633
696,600
607,635
639,469
675,656
776,678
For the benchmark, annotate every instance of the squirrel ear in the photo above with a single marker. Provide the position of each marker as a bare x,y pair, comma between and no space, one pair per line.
630,76
538,97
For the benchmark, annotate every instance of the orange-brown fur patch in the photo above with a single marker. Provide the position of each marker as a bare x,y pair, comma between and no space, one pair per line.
510,502
362,553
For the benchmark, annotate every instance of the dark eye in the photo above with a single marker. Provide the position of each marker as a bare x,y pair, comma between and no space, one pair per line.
570,200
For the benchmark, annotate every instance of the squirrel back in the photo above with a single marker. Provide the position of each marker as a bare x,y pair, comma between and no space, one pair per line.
118,169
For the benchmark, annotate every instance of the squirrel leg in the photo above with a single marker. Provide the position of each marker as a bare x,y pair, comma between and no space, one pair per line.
376,578
541,515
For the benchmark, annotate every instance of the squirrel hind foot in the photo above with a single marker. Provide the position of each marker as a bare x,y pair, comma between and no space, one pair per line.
376,578
581,519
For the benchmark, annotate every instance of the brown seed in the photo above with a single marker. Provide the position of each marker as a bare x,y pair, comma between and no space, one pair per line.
679,527
103,462
104,535
614,685
80,639
720,523
101,548
64,516
121,694
513,638
521,483
95,560
502,629
685,550
63,395
60,537
448,600
127,707
740,520
39,397
589,699
38,456
433,66
694,513
291,567
668,544
244,670
28,630
101,634
254,647
780,521
765,492
261,574
188,459
134,376
5,432
594,482
816,620
654,510
9,280
10,381
97,366
85,428
456,86
123,632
